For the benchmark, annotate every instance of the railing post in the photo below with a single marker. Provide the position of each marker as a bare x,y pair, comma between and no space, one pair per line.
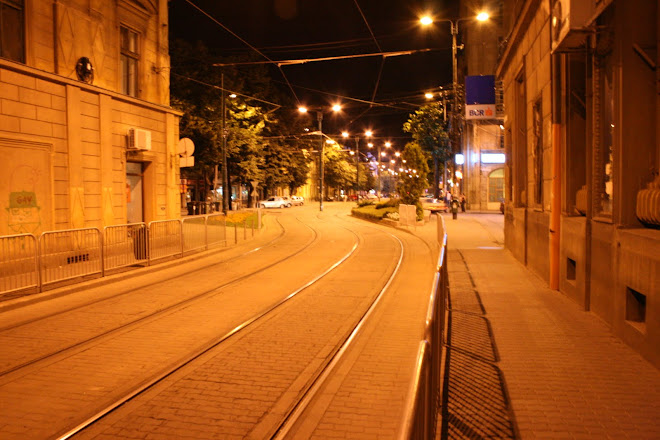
102,256
235,233
206,233
181,235
245,229
252,222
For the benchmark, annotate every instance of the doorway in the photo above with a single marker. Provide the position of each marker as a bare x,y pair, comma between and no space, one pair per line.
134,192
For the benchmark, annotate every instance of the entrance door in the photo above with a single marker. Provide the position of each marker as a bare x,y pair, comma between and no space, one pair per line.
495,189
134,198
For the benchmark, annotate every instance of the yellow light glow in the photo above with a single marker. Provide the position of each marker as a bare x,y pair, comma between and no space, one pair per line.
336,108
368,133
302,109
428,95
344,134
483,16
370,145
388,144
426,20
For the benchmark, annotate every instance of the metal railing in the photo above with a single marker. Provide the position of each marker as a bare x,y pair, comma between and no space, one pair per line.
70,253
19,262
29,262
125,245
423,399
165,239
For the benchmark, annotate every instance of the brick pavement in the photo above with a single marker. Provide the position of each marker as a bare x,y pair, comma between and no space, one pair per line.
525,361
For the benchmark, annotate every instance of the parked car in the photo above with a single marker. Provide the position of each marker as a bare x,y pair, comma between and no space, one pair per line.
275,202
297,200
433,205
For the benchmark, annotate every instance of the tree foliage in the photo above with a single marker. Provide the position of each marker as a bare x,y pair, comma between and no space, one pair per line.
427,127
412,184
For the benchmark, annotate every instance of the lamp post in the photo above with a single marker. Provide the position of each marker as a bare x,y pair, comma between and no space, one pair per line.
426,21
319,117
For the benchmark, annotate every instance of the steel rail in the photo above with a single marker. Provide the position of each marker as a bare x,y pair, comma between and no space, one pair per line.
147,384
156,313
299,408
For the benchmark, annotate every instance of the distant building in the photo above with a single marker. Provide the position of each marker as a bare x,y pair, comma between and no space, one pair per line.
581,94
87,137
482,144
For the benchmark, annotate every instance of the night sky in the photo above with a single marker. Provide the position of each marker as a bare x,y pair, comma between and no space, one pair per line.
295,29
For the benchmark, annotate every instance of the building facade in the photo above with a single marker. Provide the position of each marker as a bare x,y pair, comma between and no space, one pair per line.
87,136
482,143
581,94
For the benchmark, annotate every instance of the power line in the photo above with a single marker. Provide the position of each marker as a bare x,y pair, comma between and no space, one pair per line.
313,60
242,41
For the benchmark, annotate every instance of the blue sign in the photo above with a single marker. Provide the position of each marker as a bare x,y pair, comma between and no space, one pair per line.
480,89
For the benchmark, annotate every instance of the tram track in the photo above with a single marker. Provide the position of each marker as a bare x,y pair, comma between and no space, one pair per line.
255,367
12,380
286,409
152,315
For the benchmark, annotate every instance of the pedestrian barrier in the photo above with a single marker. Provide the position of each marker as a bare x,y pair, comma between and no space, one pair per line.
194,233
31,262
70,253
19,262
165,239
125,245
423,399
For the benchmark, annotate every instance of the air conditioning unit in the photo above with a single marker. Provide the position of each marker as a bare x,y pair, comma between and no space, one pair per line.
569,22
139,139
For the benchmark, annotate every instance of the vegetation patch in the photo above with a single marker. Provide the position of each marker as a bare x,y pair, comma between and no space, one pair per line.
241,217
372,212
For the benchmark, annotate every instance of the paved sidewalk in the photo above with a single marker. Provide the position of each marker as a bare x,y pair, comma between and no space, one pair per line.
523,361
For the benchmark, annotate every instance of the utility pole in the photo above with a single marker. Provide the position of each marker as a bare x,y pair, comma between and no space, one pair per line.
225,196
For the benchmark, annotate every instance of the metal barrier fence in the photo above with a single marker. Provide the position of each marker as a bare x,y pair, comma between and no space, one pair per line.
165,239
30,262
125,245
70,253
216,230
19,262
424,394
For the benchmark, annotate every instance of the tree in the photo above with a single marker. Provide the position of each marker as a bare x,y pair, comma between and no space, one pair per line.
428,129
338,171
412,182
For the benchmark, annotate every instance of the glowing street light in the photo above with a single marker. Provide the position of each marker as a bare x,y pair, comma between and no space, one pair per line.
319,118
426,20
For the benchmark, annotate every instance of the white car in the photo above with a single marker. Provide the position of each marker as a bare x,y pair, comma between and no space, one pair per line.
297,200
275,202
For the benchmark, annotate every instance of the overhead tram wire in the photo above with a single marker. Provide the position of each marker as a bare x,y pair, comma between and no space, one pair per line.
382,62
227,90
244,42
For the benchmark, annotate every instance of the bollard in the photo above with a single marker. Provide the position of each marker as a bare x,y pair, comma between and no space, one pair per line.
235,233
245,229
252,228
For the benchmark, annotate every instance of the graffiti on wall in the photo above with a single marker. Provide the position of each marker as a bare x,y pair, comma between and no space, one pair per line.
23,210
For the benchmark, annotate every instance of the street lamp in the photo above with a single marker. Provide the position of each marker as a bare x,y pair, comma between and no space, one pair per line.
428,20
319,117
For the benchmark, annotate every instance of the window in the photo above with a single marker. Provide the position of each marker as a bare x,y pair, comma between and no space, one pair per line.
604,95
12,32
129,61
537,152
